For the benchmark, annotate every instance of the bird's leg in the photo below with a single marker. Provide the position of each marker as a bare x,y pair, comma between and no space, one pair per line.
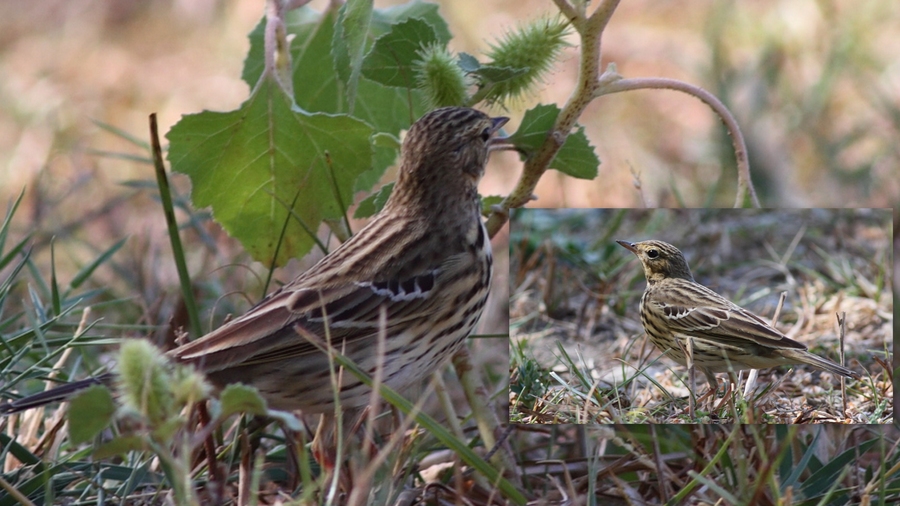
713,389
726,397
688,349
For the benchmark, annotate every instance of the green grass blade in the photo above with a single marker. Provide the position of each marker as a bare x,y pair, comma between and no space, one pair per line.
4,228
122,134
7,258
86,271
165,194
54,286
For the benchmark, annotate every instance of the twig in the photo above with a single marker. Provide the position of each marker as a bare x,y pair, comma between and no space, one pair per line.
638,185
377,379
664,485
209,447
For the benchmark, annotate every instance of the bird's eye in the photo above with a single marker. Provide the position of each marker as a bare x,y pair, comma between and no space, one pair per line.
652,253
486,134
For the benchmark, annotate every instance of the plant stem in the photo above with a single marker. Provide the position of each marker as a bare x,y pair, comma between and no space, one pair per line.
590,29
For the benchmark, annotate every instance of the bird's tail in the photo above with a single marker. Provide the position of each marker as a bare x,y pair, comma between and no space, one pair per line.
58,394
805,357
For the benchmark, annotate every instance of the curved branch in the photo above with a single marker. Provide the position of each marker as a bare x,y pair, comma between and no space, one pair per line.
745,184
592,85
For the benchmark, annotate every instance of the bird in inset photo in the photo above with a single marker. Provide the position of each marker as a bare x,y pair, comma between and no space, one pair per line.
724,337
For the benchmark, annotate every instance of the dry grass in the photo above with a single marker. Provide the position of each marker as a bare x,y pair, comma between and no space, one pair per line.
693,465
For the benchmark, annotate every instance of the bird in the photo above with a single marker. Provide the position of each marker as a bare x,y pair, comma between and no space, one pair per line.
724,336
419,272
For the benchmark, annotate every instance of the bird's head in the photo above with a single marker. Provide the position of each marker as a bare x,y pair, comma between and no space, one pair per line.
660,259
447,147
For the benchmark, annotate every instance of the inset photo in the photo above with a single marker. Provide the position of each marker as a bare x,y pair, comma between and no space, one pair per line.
701,316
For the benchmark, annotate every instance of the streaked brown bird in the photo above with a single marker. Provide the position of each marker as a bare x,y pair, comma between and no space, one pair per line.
726,337
424,261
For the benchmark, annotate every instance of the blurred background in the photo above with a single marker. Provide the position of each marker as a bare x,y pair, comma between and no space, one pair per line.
815,87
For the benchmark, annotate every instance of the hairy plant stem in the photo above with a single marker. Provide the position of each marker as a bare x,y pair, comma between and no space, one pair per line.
591,84
590,29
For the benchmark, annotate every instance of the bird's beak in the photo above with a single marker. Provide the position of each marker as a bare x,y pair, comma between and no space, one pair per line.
629,246
498,142
498,122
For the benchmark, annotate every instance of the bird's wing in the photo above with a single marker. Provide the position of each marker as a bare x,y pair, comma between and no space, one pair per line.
708,314
350,310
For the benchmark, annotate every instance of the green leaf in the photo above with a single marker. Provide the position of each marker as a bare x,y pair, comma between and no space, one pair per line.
4,227
535,124
316,83
22,454
288,419
238,398
370,205
576,157
387,141
383,19
165,430
349,43
468,62
248,165
90,412
318,88
14,252
822,479
54,284
391,59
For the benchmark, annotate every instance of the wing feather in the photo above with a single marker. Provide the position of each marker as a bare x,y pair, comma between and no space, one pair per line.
704,313
266,332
